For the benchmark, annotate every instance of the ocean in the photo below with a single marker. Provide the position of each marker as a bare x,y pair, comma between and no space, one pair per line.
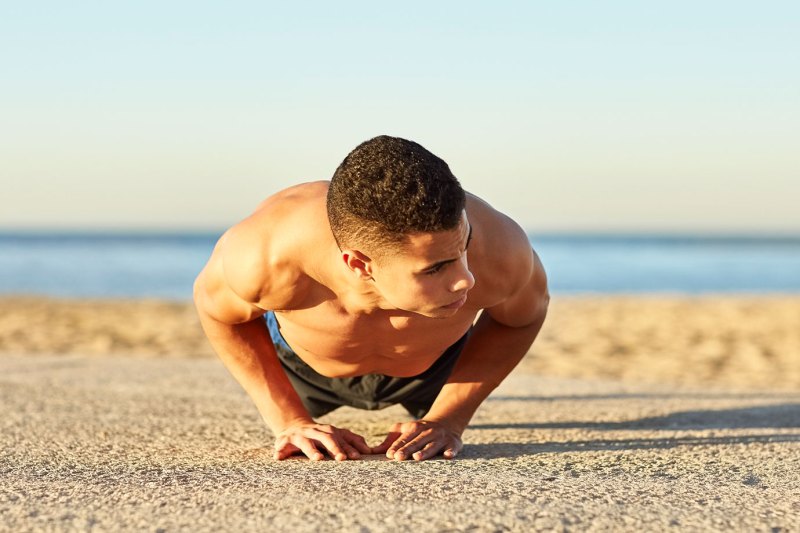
157,265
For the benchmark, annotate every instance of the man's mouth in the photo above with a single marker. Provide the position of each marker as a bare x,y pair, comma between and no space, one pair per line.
457,304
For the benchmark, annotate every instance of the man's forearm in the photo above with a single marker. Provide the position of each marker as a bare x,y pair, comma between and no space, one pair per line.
248,353
490,355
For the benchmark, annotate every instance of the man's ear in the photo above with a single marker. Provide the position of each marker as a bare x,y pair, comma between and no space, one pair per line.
358,263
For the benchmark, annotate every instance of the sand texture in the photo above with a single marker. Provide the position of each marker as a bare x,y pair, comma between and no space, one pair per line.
630,414
132,444
737,341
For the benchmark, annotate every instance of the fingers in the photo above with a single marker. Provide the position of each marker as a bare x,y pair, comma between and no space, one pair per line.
416,442
404,437
282,451
312,441
419,440
332,445
384,446
427,451
351,452
450,452
356,441
423,440
285,448
310,451
400,442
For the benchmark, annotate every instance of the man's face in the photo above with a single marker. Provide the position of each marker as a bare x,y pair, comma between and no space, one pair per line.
429,275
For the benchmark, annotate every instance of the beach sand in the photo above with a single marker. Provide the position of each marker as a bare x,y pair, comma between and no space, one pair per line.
747,342
631,413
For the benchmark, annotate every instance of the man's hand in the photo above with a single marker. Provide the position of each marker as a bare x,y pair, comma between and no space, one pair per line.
312,439
420,439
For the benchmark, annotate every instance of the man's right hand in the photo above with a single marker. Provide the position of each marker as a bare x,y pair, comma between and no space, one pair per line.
312,439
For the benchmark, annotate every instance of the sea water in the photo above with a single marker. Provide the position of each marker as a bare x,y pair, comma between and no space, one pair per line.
164,265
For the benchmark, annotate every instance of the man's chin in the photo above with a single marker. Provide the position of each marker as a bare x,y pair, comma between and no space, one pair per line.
438,312
434,312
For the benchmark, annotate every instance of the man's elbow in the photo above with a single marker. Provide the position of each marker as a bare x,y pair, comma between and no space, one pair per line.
199,294
196,290
539,312
204,302
538,295
544,303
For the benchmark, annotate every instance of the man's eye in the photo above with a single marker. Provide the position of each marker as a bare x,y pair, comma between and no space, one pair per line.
434,270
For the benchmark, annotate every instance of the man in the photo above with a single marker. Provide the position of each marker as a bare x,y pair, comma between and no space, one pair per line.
370,301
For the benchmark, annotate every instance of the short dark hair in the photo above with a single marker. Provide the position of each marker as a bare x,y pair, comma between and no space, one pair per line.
388,188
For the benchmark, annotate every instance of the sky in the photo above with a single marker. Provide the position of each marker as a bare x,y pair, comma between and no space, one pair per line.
568,116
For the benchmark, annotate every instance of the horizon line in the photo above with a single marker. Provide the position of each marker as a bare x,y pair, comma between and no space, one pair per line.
698,233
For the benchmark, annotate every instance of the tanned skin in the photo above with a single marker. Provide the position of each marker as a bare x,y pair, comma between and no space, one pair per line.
354,311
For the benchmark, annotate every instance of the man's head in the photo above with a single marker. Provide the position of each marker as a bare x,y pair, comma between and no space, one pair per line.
397,214
387,189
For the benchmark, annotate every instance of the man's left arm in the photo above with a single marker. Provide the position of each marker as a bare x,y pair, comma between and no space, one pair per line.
500,339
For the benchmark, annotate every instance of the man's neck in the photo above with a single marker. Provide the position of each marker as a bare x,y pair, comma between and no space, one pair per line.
356,295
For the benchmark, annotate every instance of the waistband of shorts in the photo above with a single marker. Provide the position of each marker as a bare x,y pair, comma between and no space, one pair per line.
275,331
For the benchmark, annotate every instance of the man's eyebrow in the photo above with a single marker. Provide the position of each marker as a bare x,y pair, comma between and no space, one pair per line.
446,261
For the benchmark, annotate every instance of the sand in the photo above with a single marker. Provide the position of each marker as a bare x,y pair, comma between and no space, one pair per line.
739,341
149,432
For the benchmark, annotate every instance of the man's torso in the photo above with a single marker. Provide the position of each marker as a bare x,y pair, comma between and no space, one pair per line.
290,273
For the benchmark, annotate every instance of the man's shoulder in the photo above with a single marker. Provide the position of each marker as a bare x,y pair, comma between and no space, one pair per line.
502,254
296,195
501,239
263,254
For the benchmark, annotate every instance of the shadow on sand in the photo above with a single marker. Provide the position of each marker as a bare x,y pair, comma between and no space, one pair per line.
768,416
789,396
780,416
511,450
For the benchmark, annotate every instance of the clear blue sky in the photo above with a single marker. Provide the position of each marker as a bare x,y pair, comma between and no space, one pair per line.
636,116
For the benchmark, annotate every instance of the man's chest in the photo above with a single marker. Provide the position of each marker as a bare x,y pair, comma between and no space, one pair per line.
338,344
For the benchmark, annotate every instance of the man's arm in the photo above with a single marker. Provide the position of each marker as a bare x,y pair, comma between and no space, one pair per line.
238,333
500,339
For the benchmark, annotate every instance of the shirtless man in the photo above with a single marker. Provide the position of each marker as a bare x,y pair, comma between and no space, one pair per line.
370,301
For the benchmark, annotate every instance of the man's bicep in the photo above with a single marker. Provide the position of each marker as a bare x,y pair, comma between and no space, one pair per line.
527,303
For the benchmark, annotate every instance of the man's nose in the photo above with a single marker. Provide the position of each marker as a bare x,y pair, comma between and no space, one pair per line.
465,280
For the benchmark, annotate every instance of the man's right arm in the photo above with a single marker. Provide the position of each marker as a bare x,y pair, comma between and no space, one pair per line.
235,327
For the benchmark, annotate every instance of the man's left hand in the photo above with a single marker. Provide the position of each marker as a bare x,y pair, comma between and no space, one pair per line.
420,440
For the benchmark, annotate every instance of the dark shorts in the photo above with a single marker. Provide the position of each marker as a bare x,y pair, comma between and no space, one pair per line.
321,394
